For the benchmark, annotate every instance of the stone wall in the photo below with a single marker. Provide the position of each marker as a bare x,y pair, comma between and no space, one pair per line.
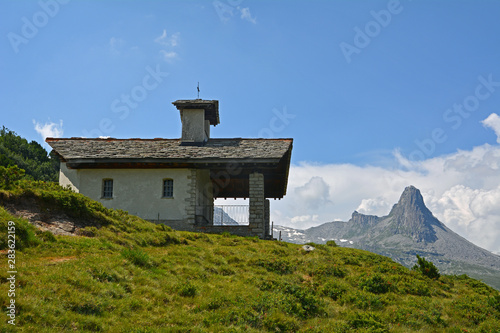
190,200
256,198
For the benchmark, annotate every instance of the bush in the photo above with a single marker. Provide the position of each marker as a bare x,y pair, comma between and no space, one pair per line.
427,268
366,320
279,322
363,300
10,176
279,266
46,236
417,288
333,290
375,284
331,243
494,302
329,270
25,233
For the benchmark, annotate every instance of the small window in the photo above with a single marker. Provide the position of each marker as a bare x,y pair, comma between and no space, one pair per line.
168,188
107,188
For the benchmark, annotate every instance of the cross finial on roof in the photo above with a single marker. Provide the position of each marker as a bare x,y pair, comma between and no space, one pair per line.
198,90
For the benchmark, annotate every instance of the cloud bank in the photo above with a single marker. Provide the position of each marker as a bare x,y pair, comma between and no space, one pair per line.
461,189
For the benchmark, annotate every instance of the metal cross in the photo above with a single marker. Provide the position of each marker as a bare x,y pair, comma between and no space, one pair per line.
198,90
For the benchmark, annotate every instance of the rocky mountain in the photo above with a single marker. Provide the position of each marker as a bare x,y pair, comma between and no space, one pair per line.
408,230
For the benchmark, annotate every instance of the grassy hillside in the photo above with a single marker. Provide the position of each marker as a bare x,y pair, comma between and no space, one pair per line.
123,274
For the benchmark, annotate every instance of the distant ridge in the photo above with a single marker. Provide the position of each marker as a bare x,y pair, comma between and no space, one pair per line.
409,229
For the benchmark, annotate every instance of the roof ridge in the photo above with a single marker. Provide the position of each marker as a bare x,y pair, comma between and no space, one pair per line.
50,139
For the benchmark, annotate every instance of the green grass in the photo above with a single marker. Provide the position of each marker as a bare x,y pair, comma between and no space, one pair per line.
128,275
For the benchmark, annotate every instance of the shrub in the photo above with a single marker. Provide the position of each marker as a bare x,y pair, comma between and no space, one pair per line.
25,233
333,290
366,320
88,232
417,288
279,322
279,266
47,236
363,300
329,270
163,227
494,302
218,302
331,243
304,303
427,268
10,176
375,284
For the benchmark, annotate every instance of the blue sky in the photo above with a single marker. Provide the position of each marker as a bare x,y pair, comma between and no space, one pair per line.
365,88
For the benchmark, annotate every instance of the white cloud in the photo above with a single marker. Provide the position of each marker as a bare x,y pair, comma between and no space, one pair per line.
304,218
493,122
461,189
313,194
49,130
373,206
169,41
245,15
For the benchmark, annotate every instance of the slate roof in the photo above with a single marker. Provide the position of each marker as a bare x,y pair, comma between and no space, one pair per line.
82,148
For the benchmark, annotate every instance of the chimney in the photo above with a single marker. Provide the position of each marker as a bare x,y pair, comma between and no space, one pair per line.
196,116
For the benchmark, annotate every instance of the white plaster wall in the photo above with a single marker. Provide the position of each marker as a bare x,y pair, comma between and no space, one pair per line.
69,177
138,191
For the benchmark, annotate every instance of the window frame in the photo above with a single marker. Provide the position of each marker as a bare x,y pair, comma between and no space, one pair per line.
106,193
164,193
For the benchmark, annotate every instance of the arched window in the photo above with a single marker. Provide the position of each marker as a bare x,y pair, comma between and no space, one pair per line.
168,188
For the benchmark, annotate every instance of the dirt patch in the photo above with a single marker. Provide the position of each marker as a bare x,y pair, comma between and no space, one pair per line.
53,220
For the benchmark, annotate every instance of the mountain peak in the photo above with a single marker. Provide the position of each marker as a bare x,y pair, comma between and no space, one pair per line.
412,218
412,196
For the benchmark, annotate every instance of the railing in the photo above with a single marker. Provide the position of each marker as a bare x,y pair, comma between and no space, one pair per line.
231,215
